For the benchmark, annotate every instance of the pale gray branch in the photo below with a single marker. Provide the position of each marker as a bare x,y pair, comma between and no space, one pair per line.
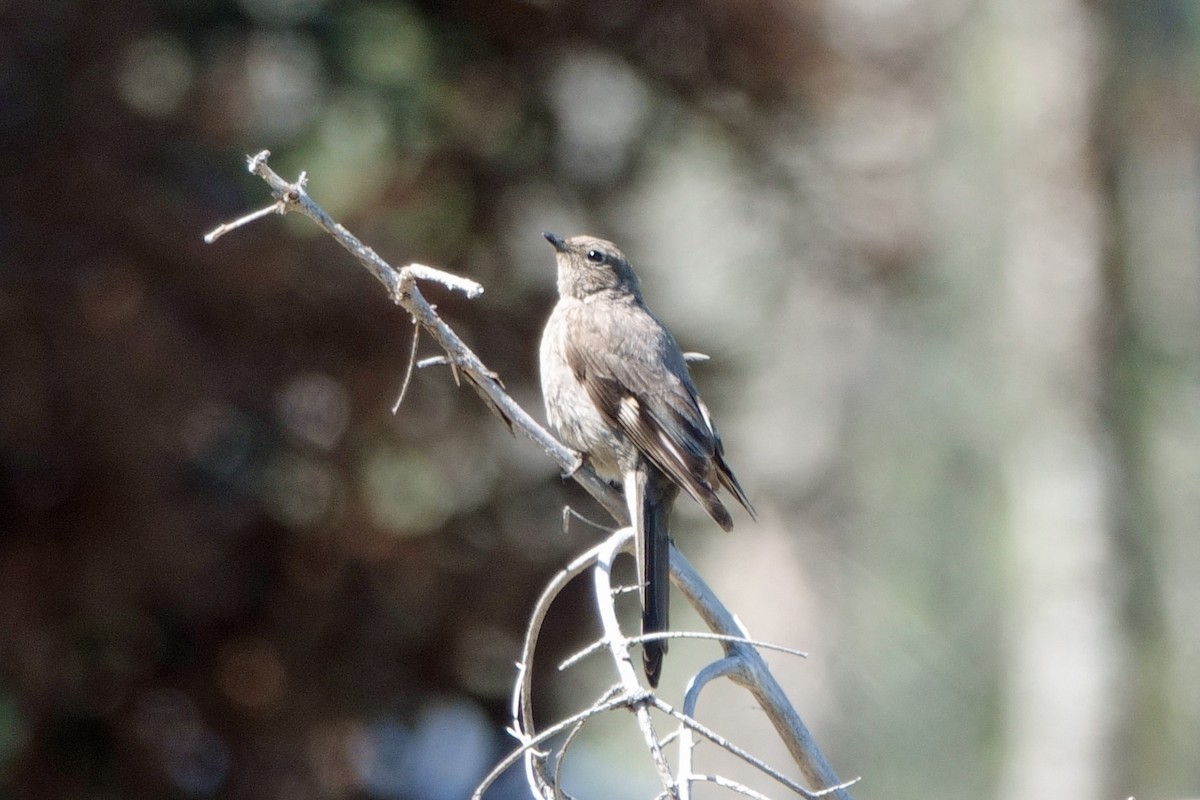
619,648
687,741
731,785
726,744
758,680
549,733
742,663
522,702
402,288
576,657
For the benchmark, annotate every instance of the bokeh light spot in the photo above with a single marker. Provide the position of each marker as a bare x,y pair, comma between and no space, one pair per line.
218,441
484,659
391,44
284,79
155,74
298,491
195,758
335,751
252,675
282,12
406,491
602,107
443,756
111,294
314,408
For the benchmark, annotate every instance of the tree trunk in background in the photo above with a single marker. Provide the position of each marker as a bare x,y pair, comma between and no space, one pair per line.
1151,137
1063,649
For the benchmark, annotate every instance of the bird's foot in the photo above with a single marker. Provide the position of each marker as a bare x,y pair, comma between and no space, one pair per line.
577,461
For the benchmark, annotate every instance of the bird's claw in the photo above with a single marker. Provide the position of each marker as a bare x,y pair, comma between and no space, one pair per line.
577,461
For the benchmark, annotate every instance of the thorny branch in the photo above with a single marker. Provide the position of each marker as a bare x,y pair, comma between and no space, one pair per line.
629,693
401,285
741,663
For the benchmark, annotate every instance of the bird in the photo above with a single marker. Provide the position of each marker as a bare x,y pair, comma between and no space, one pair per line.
617,389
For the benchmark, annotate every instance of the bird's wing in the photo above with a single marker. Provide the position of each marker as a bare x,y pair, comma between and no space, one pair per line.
636,376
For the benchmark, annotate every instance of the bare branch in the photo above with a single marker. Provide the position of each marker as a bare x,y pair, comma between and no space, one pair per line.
731,785
522,702
599,559
216,233
617,646
456,282
757,678
570,739
687,741
549,733
401,287
575,658
408,370
522,708
729,746
742,662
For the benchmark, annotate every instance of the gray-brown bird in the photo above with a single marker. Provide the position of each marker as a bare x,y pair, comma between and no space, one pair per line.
617,389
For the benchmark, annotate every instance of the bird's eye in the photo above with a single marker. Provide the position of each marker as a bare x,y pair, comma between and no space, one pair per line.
595,256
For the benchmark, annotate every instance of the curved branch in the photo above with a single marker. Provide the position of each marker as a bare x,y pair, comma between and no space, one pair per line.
549,733
619,648
691,698
758,680
522,701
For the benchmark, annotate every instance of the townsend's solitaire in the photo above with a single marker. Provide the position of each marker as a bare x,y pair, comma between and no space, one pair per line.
617,389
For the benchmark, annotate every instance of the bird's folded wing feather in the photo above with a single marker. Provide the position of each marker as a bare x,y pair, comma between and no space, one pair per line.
639,384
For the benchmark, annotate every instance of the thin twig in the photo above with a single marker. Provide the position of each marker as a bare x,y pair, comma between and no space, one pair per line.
734,786
566,745
570,513
600,644
709,673
729,746
545,735
834,790
451,281
408,370
216,233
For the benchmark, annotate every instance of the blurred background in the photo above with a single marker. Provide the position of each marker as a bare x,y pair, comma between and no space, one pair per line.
945,256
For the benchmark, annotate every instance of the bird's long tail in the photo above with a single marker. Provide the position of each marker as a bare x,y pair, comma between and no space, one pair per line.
655,568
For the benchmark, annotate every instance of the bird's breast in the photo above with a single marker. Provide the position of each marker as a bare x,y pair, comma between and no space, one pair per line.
570,410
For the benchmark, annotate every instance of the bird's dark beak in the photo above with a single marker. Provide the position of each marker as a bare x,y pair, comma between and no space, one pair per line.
557,241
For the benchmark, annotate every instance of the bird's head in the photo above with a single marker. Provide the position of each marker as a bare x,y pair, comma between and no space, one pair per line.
587,265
